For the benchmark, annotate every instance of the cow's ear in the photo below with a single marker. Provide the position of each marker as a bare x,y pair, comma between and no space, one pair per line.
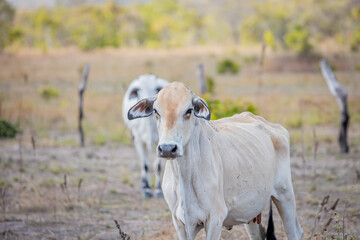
143,108
201,109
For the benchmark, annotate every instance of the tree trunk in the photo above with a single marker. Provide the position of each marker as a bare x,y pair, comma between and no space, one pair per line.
340,93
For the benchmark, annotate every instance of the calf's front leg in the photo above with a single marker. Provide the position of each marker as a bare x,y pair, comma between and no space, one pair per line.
213,228
180,228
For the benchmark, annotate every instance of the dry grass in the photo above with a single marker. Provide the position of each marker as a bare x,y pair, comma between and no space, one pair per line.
35,202
286,84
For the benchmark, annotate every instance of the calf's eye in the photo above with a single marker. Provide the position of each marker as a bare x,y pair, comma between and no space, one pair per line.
157,115
188,113
158,89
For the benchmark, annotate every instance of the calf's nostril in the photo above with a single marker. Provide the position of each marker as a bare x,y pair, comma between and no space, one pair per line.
160,149
174,149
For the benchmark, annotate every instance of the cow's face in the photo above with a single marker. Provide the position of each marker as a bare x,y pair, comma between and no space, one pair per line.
144,86
176,109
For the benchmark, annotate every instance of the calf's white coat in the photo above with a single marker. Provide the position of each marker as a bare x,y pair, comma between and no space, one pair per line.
225,171
144,130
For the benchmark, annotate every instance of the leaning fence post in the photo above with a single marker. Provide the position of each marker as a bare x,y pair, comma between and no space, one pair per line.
340,93
82,87
201,78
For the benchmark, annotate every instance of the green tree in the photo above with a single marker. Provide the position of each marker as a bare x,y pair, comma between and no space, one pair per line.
297,38
167,23
269,17
355,39
96,26
6,21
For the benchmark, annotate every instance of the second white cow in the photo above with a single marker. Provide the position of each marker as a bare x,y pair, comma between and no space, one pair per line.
144,131
223,172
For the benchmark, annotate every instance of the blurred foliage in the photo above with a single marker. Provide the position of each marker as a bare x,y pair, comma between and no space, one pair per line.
6,22
249,59
48,92
7,130
227,108
295,25
269,39
100,139
268,22
167,22
297,38
355,41
210,83
228,66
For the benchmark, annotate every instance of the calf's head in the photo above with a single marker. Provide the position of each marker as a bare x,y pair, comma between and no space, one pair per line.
144,86
176,109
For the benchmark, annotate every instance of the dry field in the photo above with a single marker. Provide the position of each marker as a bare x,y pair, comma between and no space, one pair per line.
60,191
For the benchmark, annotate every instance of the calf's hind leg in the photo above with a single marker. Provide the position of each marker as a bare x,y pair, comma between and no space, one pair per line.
141,150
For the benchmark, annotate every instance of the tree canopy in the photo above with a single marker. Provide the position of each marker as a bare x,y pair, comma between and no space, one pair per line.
295,25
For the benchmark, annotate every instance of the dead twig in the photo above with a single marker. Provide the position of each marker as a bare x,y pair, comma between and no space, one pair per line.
357,174
260,73
322,206
64,189
302,140
334,205
79,187
21,167
33,144
123,235
316,145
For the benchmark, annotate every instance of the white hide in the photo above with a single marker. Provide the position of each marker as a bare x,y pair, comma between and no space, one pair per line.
230,169
144,130
223,172
226,171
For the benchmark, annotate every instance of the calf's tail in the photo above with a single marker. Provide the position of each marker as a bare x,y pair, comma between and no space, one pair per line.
270,232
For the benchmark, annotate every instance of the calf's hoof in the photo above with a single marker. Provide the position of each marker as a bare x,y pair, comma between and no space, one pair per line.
158,193
147,193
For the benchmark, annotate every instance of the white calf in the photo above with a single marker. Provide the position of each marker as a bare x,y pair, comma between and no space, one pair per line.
144,130
223,172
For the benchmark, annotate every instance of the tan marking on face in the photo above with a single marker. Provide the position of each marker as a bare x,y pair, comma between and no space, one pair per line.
171,100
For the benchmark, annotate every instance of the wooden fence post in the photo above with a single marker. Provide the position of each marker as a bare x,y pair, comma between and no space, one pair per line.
201,78
340,93
82,87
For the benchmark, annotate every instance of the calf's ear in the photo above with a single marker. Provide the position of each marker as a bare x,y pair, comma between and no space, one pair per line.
201,109
143,108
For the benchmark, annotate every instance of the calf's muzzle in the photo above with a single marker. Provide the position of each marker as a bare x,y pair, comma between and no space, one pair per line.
167,150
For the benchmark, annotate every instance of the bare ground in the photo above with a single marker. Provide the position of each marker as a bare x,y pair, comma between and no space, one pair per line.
36,204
